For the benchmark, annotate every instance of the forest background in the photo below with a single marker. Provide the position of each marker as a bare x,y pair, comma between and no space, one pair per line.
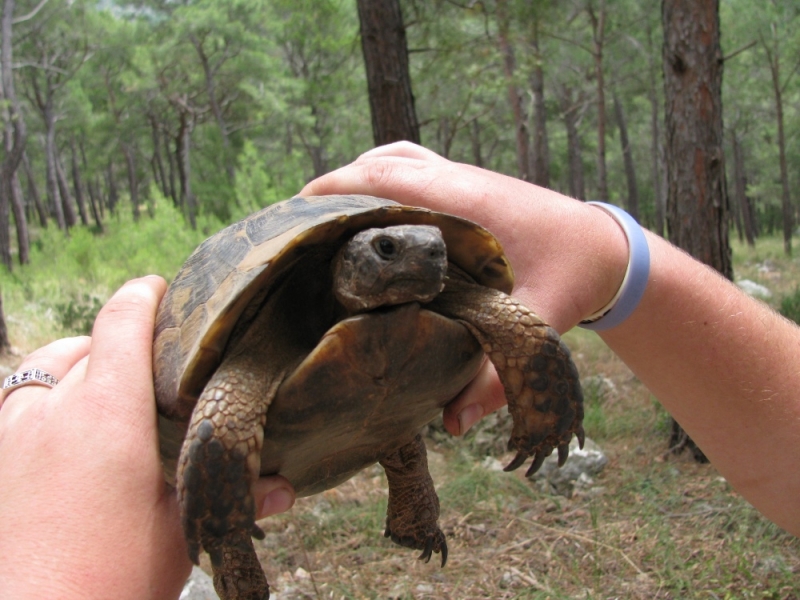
152,124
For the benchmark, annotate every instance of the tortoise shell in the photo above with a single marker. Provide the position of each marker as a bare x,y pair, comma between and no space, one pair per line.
363,386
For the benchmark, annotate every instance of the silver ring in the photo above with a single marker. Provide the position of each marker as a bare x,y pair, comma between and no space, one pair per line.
28,377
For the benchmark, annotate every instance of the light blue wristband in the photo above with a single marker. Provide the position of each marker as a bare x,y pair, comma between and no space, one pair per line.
634,283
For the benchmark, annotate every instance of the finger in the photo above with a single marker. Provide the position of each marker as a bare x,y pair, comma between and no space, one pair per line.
272,495
57,359
122,340
481,397
402,149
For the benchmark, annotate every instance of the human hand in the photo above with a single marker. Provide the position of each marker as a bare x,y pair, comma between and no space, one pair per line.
569,258
83,497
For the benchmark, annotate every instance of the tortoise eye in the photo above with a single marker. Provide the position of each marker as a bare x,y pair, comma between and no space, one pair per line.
386,247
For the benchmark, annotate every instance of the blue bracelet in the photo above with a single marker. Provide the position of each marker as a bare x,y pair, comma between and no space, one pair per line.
634,283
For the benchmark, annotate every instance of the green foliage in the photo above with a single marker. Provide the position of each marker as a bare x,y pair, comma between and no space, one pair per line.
790,306
78,314
254,186
70,275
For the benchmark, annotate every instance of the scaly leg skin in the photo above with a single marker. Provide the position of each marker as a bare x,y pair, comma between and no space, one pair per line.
219,461
413,511
540,380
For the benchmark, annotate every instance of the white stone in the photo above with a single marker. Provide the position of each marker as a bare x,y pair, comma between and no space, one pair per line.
751,288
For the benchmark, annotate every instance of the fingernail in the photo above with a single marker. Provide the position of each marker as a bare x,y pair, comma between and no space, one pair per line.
277,501
468,417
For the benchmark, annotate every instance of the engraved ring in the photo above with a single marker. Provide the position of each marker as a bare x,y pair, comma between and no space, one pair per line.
27,377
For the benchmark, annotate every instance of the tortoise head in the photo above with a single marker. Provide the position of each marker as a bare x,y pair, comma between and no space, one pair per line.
390,265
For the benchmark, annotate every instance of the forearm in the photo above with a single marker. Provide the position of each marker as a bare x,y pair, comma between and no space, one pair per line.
725,366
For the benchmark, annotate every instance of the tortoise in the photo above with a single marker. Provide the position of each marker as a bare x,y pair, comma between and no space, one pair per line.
319,336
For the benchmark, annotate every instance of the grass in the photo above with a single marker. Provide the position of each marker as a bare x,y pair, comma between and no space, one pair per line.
651,527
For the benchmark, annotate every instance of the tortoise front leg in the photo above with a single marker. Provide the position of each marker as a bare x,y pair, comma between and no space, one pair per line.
540,380
219,462
413,512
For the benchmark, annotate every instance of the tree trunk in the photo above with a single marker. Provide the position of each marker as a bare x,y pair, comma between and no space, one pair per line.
569,112
5,344
627,154
697,201
15,137
740,192
53,196
786,199
475,139
77,186
173,189
182,142
133,184
391,101
111,183
514,95
20,221
656,150
540,171
598,21
157,162
211,91
70,217
33,191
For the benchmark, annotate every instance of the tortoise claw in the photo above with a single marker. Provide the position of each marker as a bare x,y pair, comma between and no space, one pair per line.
444,553
563,454
517,462
538,460
581,435
427,551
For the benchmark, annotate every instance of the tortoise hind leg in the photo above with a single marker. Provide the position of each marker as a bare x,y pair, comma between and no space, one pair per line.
219,461
540,380
413,511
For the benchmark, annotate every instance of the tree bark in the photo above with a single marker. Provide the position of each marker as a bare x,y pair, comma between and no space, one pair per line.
475,139
514,95
598,21
33,191
5,343
391,101
70,217
656,149
20,221
77,185
569,113
133,183
157,162
787,209
697,200
15,138
540,169
111,183
182,147
627,155
740,192
216,109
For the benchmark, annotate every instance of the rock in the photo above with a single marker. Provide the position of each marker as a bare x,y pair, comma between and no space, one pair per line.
756,290
576,474
199,586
